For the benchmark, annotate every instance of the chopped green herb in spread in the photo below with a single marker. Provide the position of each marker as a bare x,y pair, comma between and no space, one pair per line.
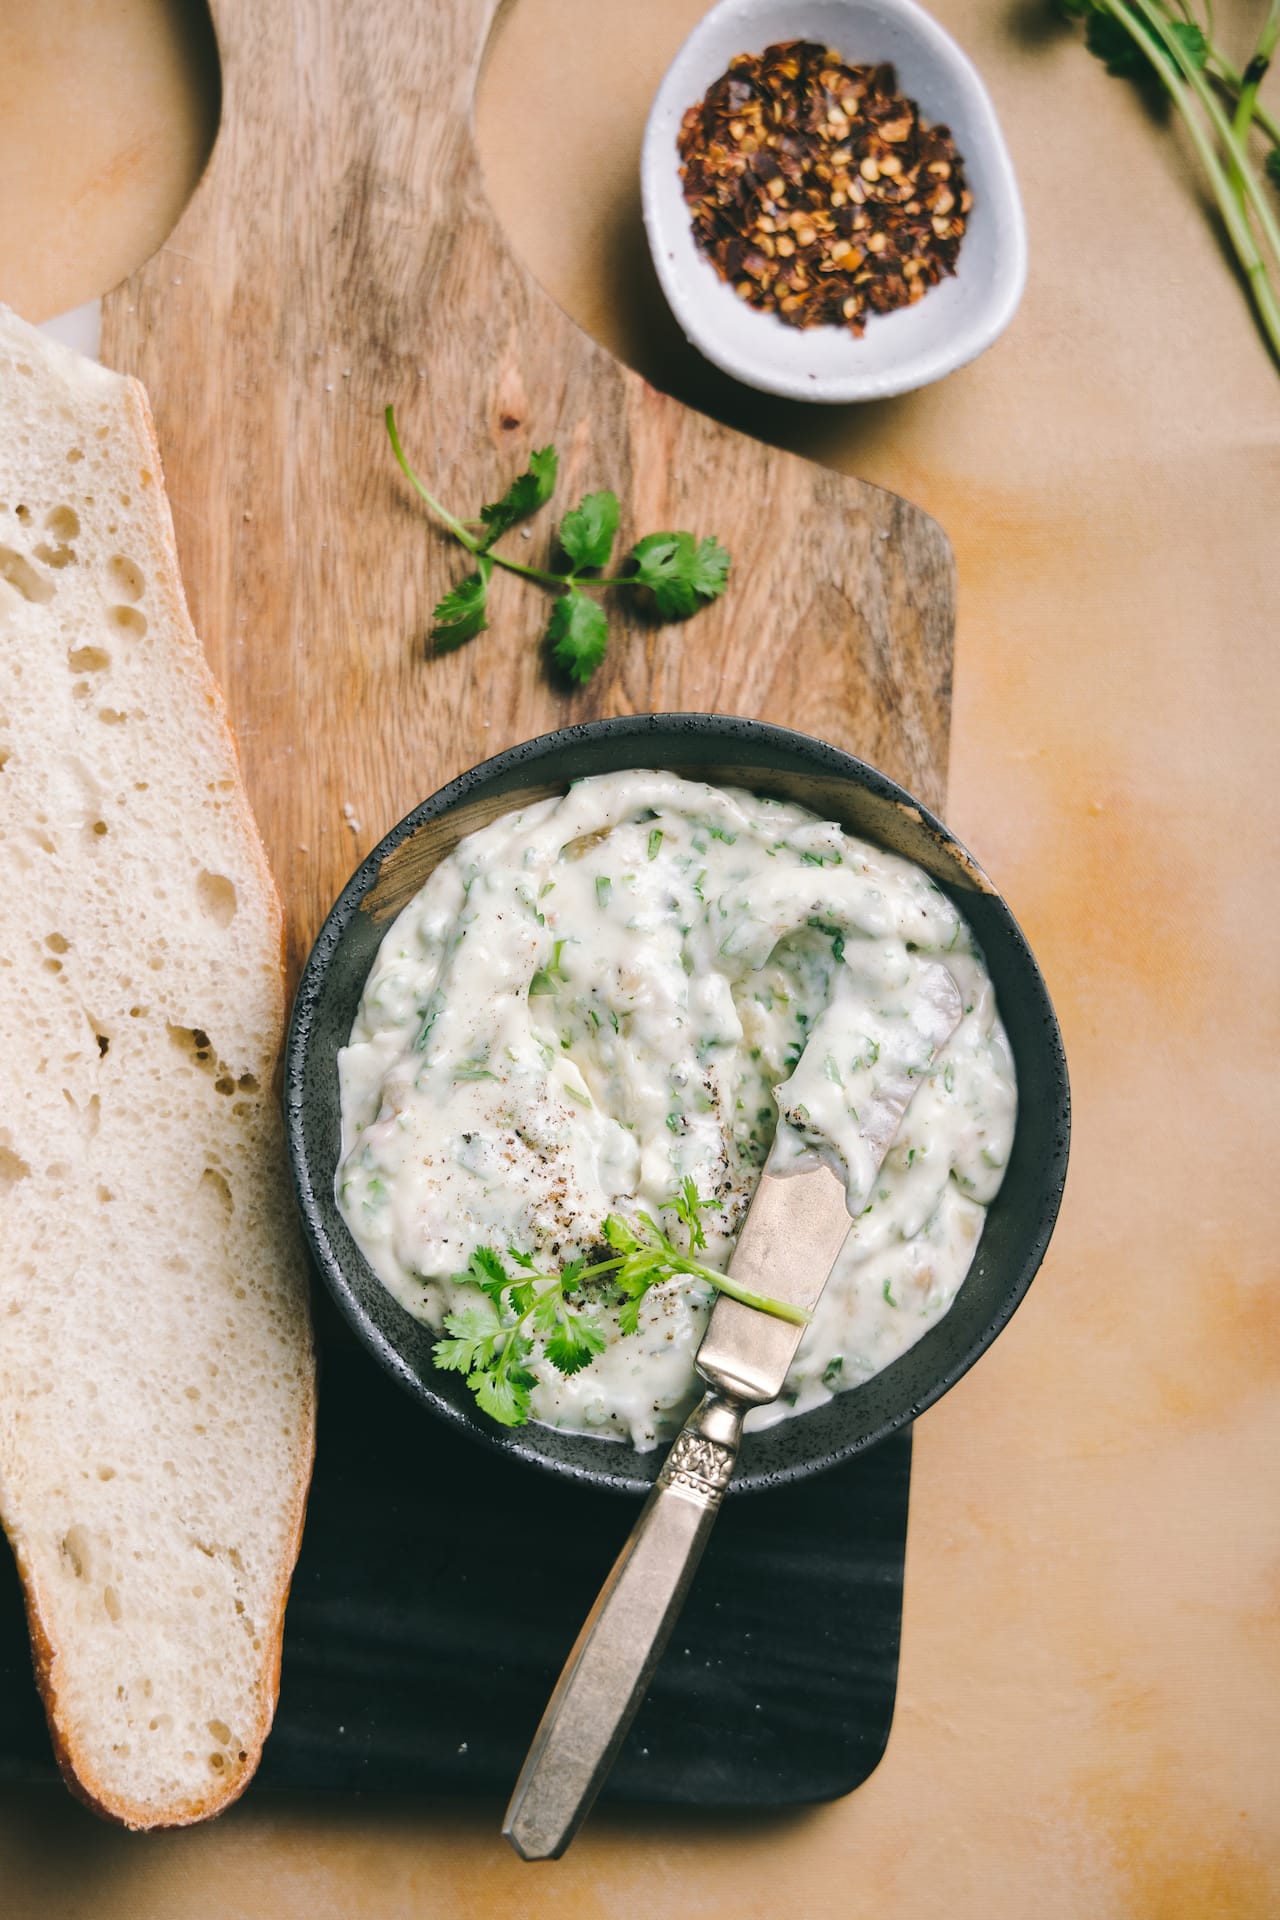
583,1039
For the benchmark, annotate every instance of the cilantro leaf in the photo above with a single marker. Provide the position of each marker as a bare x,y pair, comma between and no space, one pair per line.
629,1314
459,616
1272,165
475,1323
476,1335
577,634
574,1344
524,1297
485,1268
454,1356
587,533
687,1204
524,496
680,572
709,575
1192,41
546,1311
1111,43
503,1396
662,561
618,1235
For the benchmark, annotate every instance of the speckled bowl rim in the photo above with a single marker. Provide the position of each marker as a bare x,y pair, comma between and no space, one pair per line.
622,1468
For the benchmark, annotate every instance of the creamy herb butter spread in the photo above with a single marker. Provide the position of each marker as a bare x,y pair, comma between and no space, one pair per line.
601,995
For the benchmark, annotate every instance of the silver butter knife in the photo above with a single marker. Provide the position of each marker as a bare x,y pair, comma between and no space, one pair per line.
794,1229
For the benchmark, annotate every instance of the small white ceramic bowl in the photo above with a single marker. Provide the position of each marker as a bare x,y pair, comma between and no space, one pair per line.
954,322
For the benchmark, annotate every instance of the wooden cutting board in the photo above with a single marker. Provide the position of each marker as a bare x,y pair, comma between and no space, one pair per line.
340,254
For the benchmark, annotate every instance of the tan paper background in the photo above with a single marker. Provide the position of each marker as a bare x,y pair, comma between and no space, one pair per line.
1089,1706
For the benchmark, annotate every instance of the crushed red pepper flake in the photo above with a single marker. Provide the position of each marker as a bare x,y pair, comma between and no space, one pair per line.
817,190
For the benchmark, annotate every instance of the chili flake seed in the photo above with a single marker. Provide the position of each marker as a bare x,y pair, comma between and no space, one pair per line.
816,189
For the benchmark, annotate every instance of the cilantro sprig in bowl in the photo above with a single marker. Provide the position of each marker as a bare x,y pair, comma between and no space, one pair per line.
522,1307
470,1373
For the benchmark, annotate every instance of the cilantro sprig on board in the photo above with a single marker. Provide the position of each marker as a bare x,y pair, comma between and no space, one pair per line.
519,1309
677,572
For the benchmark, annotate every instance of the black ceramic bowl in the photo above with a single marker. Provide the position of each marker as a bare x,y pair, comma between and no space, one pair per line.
767,760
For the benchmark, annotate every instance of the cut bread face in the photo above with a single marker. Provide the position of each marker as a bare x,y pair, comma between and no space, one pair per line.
156,1370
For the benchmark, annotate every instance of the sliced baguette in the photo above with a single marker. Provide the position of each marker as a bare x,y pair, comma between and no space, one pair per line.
156,1370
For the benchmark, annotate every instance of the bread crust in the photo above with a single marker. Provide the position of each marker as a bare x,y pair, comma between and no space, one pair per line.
75,1761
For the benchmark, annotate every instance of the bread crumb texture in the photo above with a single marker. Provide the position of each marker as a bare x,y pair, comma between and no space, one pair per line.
156,1375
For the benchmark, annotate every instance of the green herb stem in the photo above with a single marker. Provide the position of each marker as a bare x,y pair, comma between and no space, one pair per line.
455,526
536,573
1247,104
1222,70
1243,179
1179,76
762,1302
694,1269
544,579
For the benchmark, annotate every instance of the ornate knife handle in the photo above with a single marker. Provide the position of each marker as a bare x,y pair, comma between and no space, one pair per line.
613,1658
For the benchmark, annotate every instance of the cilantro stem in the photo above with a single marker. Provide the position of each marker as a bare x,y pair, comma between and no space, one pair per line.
1246,105
1243,178
762,1302
682,1263
512,1333
602,1266
544,579
455,526
1222,69
1180,80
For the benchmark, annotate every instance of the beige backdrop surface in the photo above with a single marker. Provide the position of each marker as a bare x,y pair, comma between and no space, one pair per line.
1089,1706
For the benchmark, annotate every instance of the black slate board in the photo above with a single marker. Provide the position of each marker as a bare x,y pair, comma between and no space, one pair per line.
440,1588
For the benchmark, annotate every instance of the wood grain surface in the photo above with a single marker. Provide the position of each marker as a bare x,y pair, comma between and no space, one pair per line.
341,253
